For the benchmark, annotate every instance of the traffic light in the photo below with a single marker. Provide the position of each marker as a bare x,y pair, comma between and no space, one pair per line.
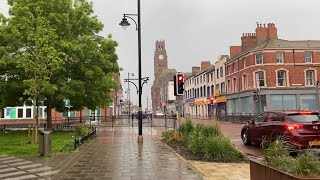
179,84
255,95
212,100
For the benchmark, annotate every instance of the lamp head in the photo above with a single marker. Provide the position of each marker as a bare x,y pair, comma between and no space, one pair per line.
124,23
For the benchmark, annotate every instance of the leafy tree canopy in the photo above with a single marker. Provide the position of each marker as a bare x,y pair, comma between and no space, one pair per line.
49,49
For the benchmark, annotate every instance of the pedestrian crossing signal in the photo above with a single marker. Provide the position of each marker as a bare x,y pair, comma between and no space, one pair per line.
255,95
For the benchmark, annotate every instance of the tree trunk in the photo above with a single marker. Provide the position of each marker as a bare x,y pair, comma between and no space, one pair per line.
49,118
81,116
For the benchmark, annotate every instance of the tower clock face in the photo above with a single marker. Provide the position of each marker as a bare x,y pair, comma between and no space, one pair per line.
161,57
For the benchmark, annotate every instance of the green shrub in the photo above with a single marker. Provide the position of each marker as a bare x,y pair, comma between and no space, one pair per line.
274,149
196,139
171,135
68,146
186,128
220,148
276,154
82,130
307,164
211,131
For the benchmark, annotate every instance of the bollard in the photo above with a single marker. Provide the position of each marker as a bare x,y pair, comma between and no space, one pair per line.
165,121
75,144
112,120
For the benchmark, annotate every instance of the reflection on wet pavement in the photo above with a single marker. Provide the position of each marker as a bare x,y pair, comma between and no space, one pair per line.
115,154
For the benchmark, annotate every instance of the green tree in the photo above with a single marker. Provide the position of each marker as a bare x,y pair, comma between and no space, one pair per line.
50,50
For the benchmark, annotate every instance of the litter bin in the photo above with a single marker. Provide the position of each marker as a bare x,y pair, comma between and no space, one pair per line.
45,143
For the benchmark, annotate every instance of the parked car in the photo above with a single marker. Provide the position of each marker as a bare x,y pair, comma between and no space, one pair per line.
159,114
300,128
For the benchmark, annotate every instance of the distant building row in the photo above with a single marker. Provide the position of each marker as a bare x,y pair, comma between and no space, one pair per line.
264,73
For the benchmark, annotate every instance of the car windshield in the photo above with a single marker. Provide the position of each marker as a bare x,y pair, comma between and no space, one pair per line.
304,117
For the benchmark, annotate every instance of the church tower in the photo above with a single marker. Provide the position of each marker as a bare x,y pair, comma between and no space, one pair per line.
160,63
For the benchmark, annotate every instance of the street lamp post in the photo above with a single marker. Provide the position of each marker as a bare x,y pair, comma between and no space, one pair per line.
124,23
128,95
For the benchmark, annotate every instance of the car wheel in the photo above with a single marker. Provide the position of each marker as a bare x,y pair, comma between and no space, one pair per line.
244,137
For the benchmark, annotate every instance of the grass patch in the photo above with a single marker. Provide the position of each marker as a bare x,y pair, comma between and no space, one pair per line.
15,143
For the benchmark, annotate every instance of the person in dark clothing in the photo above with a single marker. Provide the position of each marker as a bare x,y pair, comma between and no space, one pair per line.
132,116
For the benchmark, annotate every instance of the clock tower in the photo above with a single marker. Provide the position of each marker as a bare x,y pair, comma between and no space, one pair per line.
160,63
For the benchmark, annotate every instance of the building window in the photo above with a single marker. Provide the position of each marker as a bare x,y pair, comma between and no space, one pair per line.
212,90
217,73
223,88
208,91
229,86
259,58
310,78
212,76
217,88
20,113
234,67
260,79
308,102
245,81
204,90
308,57
280,57
221,72
283,102
2,113
281,78
234,85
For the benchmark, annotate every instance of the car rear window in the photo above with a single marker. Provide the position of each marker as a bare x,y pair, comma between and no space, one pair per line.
304,117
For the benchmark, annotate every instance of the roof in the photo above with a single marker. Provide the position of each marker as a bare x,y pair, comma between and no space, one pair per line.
205,70
281,44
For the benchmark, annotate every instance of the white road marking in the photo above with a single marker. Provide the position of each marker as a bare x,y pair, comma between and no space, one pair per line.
29,166
12,174
7,169
22,177
48,173
40,169
20,163
11,161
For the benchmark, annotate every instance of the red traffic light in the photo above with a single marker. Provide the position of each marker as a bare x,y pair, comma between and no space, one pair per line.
180,77
211,98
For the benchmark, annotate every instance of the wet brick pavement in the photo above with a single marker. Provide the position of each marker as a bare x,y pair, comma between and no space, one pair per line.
115,154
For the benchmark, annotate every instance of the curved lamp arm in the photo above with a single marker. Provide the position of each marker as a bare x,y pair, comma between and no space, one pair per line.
129,16
133,84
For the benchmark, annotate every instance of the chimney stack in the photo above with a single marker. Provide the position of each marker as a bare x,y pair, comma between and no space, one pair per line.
205,65
195,70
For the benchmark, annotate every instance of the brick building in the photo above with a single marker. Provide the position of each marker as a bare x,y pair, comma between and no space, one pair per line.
282,73
160,63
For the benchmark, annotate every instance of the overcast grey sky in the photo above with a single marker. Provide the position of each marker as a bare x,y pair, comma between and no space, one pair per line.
196,30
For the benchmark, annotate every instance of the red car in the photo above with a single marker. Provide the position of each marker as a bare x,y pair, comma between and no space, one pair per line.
301,128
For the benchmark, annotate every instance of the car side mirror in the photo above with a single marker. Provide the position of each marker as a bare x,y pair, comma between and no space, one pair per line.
251,122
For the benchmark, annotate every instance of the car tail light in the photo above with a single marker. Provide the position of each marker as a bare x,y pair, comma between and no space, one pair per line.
306,112
293,126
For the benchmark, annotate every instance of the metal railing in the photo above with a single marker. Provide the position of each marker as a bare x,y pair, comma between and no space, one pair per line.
78,142
236,117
